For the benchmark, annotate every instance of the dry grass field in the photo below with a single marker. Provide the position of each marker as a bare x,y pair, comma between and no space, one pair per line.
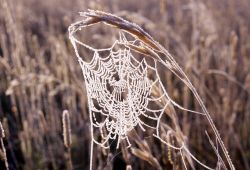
40,78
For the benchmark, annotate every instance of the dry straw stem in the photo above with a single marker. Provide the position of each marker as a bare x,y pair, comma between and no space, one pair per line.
128,167
3,155
67,138
2,135
66,129
152,48
144,155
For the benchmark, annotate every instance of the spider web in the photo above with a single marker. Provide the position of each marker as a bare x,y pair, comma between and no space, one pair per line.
125,93
121,96
119,89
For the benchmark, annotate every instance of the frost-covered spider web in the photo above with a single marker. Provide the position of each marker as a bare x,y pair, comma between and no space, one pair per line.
121,91
121,94
119,85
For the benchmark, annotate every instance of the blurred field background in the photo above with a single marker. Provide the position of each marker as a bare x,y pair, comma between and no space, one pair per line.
40,76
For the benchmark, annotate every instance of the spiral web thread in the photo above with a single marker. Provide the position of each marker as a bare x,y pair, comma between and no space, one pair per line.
120,91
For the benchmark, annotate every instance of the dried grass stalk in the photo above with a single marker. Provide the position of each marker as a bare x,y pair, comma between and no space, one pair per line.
144,155
66,129
2,135
67,138
3,155
128,167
